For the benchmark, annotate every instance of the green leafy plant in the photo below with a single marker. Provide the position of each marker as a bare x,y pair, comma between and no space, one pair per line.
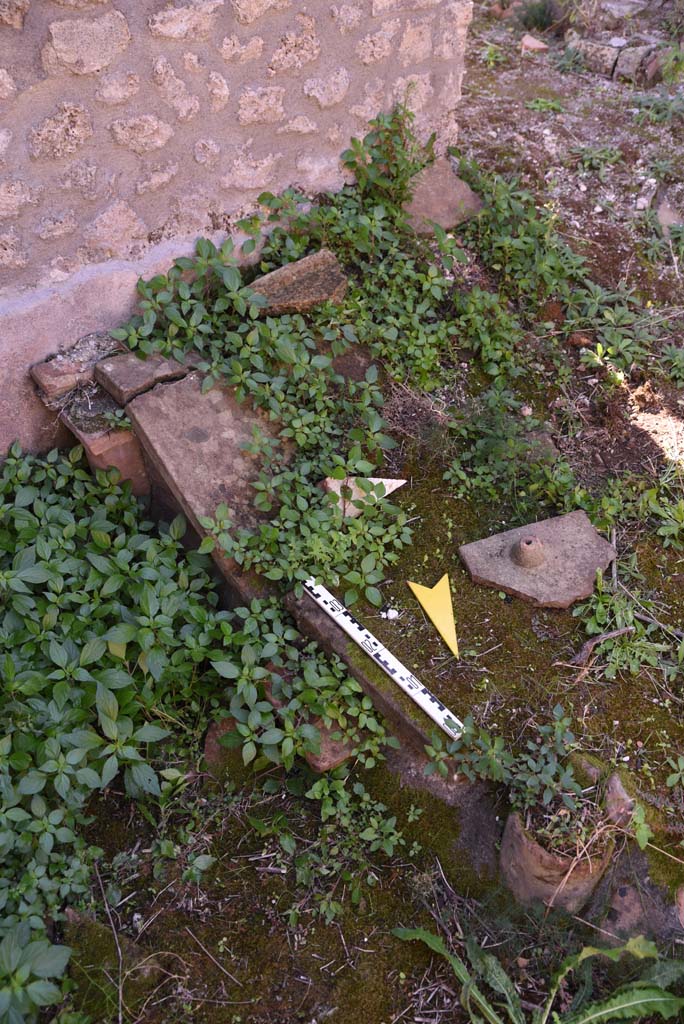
676,777
492,55
538,776
569,61
598,158
538,15
663,169
632,1001
26,968
659,108
109,631
674,20
387,159
673,64
544,105
117,420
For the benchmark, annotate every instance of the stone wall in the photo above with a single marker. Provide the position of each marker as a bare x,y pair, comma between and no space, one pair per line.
129,127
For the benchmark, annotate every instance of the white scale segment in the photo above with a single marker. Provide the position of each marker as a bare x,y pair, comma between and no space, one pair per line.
418,693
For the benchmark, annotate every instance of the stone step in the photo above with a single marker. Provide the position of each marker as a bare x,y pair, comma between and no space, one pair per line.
85,414
126,376
194,445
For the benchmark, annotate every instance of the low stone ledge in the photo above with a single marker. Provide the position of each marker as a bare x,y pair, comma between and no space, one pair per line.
126,376
303,285
62,373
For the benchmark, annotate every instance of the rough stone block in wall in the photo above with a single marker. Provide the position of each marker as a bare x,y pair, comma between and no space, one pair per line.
129,127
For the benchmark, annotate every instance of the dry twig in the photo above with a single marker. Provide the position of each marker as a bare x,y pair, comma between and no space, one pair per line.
213,958
119,954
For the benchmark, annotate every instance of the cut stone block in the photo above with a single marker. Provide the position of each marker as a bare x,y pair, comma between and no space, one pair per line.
357,496
106,447
62,373
668,216
303,285
195,443
631,64
119,449
551,563
440,197
529,44
598,57
125,376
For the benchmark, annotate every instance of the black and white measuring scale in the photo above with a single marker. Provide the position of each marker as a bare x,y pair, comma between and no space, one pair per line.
418,693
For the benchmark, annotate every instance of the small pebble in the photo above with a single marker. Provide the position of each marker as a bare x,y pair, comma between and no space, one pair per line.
390,614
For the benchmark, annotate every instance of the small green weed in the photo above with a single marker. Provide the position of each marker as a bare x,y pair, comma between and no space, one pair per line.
539,776
117,420
663,169
570,61
597,158
492,55
544,105
659,108
537,15
674,20
673,64
673,358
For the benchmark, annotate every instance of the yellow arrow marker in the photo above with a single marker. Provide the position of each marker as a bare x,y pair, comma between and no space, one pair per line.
437,603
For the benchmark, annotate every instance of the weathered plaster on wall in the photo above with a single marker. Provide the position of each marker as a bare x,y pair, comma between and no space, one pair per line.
126,124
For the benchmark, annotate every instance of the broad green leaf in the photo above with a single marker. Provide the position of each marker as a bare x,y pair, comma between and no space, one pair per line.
146,778
109,770
123,633
632,1003
48,961
226,669
150,734
106,702
203,862
93,651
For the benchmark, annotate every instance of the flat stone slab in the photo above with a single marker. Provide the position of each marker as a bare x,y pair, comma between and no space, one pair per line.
125,376
440,197
551,563
303,285
195,443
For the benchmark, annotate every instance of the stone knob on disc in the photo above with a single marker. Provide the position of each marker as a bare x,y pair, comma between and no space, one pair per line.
529,551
